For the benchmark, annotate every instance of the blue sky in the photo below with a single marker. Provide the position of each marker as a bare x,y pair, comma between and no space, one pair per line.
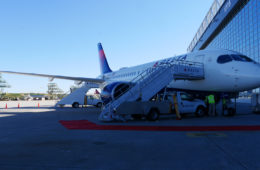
60,36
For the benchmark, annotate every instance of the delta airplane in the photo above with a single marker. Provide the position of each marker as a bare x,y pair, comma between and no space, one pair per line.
224,71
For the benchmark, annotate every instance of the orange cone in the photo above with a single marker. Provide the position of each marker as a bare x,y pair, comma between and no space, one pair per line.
6,105
38,104
18,105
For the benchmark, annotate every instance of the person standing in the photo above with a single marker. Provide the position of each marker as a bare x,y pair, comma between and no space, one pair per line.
211,100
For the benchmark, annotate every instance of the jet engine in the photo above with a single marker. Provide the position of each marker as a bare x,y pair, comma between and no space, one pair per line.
114,90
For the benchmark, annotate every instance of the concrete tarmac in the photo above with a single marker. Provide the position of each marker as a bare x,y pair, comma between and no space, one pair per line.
33,138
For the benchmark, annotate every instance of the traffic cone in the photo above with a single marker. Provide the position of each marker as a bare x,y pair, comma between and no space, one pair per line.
38,104
6,105
18,105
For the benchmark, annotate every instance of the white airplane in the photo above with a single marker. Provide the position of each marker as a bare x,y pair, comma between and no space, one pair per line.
225,71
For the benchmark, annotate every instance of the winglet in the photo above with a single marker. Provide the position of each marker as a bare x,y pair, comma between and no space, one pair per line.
104,67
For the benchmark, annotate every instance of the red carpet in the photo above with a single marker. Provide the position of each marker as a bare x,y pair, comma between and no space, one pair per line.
87,125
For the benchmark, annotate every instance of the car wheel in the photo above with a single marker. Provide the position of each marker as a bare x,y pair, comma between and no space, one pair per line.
153,115
200,111
75,105
99,105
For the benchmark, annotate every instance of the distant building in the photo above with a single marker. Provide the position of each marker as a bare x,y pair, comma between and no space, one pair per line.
36,97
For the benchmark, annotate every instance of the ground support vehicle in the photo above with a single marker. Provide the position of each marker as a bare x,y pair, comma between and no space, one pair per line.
93,100
149,109
161,106
76,98
186,103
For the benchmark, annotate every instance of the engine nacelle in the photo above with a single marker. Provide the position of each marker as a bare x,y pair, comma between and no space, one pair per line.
114,90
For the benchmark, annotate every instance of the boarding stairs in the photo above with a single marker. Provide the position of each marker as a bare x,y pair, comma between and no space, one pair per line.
150,82
76,96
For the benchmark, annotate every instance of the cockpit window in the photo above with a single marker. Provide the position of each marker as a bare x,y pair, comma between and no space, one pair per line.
241,58
224,59
245,58
236,57
227,58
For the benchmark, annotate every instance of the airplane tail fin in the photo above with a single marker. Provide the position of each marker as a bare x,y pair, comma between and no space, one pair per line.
104,67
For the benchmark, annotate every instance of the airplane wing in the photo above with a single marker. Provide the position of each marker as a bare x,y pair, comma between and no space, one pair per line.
91,80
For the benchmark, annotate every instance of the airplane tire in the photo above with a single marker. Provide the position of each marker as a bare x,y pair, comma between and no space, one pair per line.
153,115
75,105
200,111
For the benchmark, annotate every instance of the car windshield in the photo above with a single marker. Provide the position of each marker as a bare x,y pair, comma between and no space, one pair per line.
185,96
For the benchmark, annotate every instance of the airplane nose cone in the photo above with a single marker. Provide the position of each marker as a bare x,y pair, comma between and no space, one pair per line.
249,78
256,73
257,76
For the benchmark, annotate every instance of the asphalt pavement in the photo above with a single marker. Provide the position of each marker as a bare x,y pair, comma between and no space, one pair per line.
34,138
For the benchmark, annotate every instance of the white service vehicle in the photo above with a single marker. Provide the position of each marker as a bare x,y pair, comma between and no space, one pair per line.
77,97
162,105
93,100
187,103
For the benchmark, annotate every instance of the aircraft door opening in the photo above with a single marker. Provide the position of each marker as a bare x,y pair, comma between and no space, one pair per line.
199,58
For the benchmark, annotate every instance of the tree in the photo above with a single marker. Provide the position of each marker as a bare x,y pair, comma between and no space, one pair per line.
3,84
54,91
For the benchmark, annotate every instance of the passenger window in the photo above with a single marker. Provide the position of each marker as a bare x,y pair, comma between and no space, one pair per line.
224,59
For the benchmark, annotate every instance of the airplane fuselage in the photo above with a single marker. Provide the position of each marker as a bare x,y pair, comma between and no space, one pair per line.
225,71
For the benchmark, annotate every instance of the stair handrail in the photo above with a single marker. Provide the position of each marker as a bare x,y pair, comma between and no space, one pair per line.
144,74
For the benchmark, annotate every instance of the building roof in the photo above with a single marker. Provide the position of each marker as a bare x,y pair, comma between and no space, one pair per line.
216,14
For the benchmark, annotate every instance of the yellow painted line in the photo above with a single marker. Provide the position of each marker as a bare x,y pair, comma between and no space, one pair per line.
201,134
